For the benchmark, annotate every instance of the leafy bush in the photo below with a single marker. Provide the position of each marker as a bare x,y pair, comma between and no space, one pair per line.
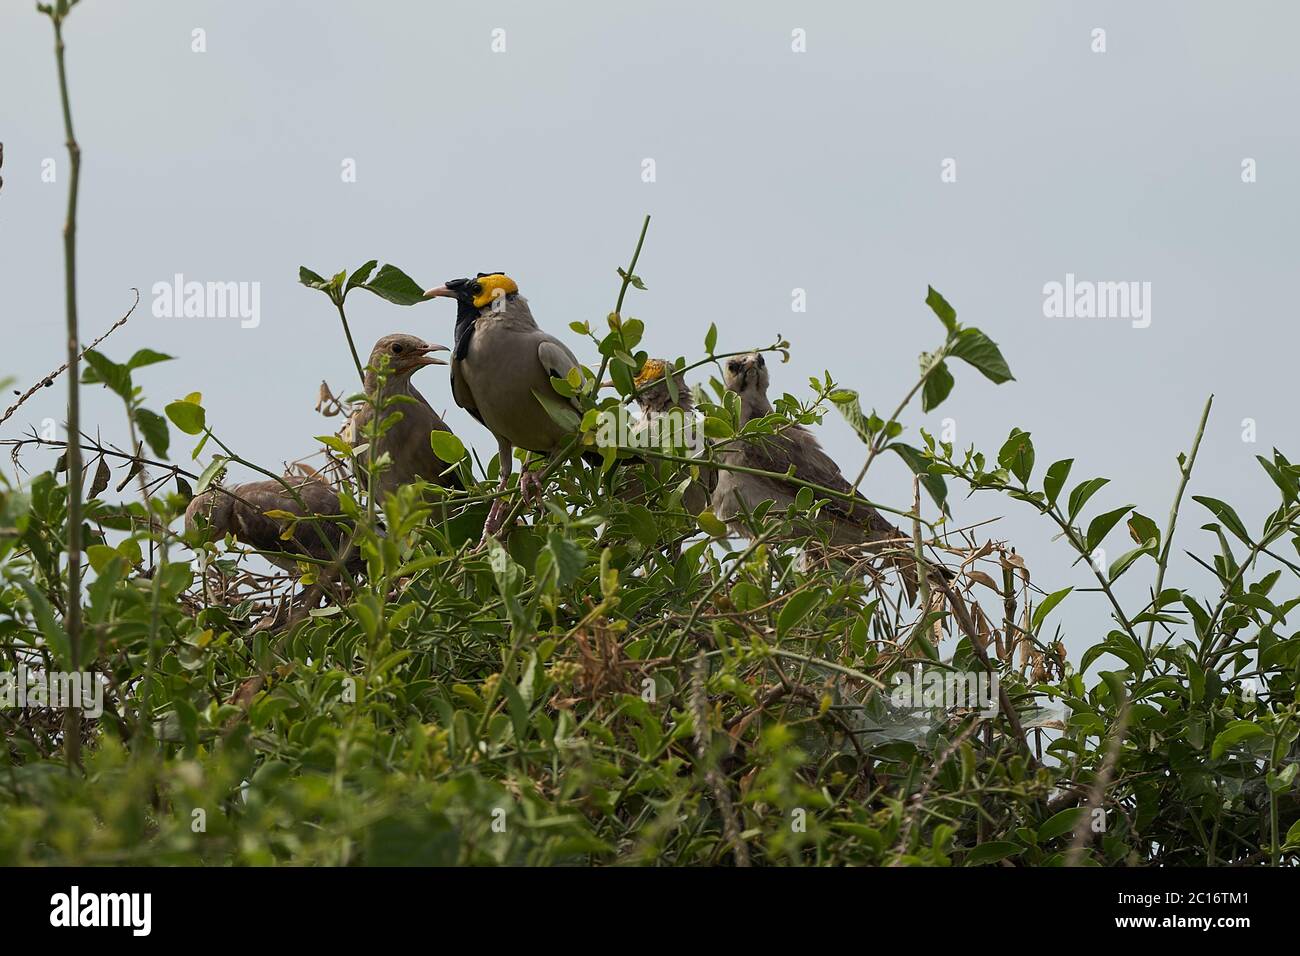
616,682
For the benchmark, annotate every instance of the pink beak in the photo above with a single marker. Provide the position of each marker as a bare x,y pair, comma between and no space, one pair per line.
427,359
442,290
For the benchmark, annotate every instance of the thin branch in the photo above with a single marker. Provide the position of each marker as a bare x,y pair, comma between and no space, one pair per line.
48,380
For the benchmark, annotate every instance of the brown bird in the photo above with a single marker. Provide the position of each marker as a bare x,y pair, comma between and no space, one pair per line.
241,511
668,421
845,523
501,363
407,441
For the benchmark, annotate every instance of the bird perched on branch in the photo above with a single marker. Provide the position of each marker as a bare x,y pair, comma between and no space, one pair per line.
668,419
846,523
502,362
242,511
393,360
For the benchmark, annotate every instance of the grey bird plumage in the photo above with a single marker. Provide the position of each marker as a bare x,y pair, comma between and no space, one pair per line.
500,363
407,441
240,510
845,523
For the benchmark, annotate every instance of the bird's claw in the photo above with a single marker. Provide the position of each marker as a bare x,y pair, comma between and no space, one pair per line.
530,486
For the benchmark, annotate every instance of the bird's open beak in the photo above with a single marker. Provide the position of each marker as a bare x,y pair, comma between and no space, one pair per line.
427,359
442,291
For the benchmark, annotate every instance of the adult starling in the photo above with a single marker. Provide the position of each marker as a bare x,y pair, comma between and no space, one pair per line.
845,523
241,510
501,362
407,441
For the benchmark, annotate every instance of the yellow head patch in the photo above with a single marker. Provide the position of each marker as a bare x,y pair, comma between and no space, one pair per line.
494,287
653,371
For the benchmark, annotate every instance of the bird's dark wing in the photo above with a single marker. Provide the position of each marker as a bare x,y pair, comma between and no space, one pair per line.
462,395
557,360
798,446
255,529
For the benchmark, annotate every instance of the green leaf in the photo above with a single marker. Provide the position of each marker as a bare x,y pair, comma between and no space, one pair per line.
1055,479
312,280
711,338
1081,493
717,428
103,370
99,555
447,446
1045,607
187,415
796,609
360,276
711,524
1142,529
569,558
977,349
920,465
154,429
1123,562
1100,526
144,357
55,636
337,445
846,400
938,384
209,473
1233,734
946,313
1061,823
1017,455
394,285
1225,514
1293,836
561,413
992,852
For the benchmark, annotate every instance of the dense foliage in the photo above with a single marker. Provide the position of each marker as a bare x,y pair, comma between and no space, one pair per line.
618,681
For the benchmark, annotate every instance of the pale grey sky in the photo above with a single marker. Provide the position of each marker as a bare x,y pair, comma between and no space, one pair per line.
775,170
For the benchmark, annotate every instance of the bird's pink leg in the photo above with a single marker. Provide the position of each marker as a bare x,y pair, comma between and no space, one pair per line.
497,513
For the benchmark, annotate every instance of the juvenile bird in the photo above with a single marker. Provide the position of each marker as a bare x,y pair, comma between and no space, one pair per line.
846,523
240,510
407,441
500,363
666,420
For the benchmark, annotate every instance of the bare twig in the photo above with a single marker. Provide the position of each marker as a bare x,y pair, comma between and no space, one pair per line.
48,380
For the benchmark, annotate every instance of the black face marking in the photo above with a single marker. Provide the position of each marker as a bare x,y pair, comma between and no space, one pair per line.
466,291
761,363
734,366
